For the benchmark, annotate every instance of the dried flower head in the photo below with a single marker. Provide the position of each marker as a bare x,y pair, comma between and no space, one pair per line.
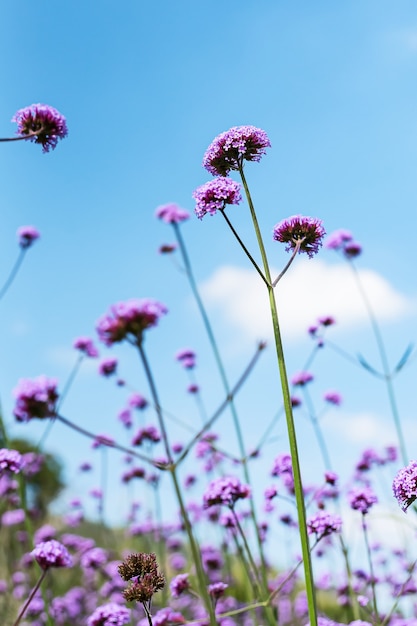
141,570
306,233
128,320
229,149
27,235
214,195
404,485
35,398
42,123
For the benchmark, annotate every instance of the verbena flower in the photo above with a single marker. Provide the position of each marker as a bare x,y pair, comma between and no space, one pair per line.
179,584
108,366
52,554
215,194
186,357
27,235
111,614
306,232
333,397
323,524
136,401
141,570
225,490
229,149
216,590
342,240
10,461
86,346
35,398
128,320
13,517
47,124
148,433
404,485
361,499
301,378
172,213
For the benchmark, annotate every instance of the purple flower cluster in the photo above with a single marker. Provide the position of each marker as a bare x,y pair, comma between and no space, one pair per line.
225,490
404,485
361,499
148,433
86,346
111,614
42,123
187,358
323,524
215,194
171,214
342,241
283,468
301,378
27,235
129,320
305,232
52,554
35,398
10,461
229,149
179,584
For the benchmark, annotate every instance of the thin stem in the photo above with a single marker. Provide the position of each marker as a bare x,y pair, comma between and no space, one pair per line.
294,254
298,488
317,430
247,549
384,363
30,598
371,567
20,137
13,272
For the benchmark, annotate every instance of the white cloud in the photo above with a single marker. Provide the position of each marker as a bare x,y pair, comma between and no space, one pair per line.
362,428
312,288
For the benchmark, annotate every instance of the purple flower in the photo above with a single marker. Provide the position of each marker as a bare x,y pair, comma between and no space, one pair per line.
229,149
361,499
129,320
110,614
107,367
225,490
148,433
338,239
171,214
404,485
333,397
167,248
305,232
10,461
13,518
301,378
43,124
214,195
186,357
94,558
136,401
125,416
326,320
86,345
52,554
35,398
216,590
352,250
44,533
323,524
27,235
179,584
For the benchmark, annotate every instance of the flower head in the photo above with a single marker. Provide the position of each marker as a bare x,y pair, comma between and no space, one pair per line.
42,123
361,499
342,241
179,584
35,398
404,485
10,461
225,490
186,357
214,195
333,397
52,554
306,233
27,235
86,346
129,320
323,524
141,570
229,149
171,214
108,366
111,614
301,378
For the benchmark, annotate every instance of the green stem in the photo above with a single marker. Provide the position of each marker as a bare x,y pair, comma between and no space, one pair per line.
13,273
371,568
298,488
317,430
30,598
255,571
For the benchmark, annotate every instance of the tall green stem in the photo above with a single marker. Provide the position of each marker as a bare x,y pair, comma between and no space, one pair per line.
298,488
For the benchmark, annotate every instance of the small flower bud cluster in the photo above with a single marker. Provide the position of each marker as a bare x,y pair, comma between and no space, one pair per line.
141,570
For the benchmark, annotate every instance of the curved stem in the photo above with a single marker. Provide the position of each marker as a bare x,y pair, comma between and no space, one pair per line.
299,496
30,598
13,273
294,254
20,137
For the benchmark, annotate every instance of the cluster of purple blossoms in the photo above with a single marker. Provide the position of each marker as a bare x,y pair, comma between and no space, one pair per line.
215,194
129,320
148,433
179,584
27,235
42,123
229,149
225,490
186,358
404,485
323,524
136,401
333,397
306,233
216,590
301,378
342,241
283,468
111,614
108,367
52,554
86,346
10,461
361,499
35,398
171,214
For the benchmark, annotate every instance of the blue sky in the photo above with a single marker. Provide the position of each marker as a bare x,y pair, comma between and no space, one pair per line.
145,87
